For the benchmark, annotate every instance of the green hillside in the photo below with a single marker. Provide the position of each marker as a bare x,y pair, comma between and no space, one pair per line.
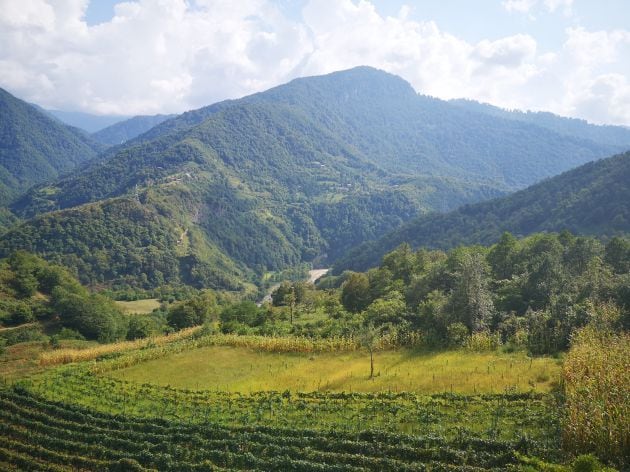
593,199
35,148
303,172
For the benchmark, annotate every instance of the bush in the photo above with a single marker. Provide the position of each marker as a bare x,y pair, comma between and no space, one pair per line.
67,333
94,316
586,463
139,327
22,334
457,334
245,313
193,312
22,313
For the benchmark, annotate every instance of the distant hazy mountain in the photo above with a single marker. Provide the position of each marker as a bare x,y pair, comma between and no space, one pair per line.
593,199
123,131
304,171
603,134
35,148
86,121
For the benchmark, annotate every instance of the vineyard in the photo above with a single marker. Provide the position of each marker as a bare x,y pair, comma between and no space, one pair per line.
41,434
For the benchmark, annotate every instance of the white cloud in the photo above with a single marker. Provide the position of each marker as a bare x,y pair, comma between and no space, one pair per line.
172,55
553,5
529,6
521,6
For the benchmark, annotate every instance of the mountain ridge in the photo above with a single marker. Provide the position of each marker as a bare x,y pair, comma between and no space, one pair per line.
303,172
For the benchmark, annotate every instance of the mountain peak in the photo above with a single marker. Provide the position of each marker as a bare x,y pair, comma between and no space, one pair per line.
360,79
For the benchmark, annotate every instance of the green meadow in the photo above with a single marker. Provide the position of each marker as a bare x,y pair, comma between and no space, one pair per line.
236,369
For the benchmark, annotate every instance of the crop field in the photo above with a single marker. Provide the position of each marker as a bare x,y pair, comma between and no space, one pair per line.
208,402
40,434
235,369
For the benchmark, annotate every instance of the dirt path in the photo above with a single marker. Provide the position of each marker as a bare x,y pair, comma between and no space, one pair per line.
11,328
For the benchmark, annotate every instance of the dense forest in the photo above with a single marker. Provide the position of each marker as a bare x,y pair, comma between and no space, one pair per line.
35,148
529,294
593,199
301,173
32,291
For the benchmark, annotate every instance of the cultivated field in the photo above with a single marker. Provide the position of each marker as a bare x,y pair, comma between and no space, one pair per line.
236,369
223,402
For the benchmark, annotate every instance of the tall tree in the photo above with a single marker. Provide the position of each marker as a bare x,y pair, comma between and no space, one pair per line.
355,292
471,299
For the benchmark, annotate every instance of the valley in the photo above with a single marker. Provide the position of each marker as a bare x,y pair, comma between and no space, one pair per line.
164,306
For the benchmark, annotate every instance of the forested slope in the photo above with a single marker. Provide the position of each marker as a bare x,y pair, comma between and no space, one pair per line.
593,199
35,148
302,172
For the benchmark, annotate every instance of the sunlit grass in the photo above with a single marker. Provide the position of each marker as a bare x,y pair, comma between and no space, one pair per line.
139,306
246,370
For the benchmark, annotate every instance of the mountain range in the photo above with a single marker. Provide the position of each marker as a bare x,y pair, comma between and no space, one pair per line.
305,171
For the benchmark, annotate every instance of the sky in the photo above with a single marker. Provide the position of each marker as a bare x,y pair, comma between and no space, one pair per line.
570,57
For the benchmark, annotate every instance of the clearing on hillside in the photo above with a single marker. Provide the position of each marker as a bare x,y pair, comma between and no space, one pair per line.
139,307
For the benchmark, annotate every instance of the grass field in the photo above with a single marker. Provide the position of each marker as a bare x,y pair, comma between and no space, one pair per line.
140,307
245,370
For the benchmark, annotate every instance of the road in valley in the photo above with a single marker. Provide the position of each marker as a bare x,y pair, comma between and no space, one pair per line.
313,276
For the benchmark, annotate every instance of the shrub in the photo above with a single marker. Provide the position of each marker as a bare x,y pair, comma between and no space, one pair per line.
586,463
139,327
457,334
482,341
67,333
193,312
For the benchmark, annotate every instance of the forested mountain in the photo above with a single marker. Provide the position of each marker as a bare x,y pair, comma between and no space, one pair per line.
123,131
593,199
603,134
302,172
35,148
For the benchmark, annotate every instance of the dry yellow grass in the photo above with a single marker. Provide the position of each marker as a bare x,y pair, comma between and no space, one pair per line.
65,356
